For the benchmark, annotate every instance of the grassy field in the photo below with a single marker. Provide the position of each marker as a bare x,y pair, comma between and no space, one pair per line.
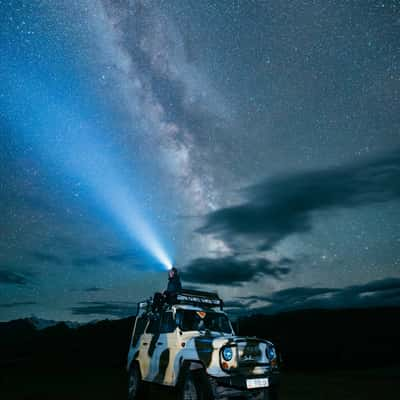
78,383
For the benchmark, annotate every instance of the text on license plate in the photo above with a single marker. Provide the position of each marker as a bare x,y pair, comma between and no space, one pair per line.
257,383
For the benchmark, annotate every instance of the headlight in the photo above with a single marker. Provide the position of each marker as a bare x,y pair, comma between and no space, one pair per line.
227,354
271,352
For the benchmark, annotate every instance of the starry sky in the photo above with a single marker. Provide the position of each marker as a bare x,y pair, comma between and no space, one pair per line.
254,144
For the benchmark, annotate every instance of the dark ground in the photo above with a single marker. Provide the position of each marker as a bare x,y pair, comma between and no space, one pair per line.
98,384
329,355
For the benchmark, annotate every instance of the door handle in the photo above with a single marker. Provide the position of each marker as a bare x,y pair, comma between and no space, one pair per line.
145,344
159,343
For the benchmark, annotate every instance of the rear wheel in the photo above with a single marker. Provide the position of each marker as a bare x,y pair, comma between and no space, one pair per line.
135,384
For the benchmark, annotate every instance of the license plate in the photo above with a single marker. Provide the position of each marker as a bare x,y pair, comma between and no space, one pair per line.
257,383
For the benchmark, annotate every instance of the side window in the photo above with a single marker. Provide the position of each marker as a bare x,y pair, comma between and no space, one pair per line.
167,323
139,329
190,321
179,318
154,326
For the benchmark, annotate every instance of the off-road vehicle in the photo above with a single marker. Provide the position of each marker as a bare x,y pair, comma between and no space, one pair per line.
189,344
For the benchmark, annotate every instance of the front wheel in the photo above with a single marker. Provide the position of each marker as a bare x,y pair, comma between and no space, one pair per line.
195,385
270,393
188,389
134,383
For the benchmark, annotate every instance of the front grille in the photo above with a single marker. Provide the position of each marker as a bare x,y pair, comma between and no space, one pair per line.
250,353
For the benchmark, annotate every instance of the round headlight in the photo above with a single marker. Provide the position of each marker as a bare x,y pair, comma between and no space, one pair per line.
227,354
271,353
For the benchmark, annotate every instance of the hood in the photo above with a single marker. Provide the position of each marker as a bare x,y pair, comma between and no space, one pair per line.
213,340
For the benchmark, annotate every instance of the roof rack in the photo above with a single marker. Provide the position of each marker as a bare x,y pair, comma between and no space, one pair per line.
199,298
185,296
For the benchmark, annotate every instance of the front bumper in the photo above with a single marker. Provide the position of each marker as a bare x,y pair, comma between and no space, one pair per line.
235,385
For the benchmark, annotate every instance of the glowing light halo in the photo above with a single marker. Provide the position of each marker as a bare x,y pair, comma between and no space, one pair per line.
134,223
120,202
81,156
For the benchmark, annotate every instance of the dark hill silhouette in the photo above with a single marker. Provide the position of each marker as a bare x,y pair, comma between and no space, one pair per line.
309,338
105,342
322,352
343,338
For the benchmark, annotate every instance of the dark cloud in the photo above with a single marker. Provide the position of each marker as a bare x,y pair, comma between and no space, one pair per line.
122,257
284,206
17,304
285,261
385,292
91,261
230,271
292,296
43,257
115,309
379,286
233,304
134,259
12,278
93,289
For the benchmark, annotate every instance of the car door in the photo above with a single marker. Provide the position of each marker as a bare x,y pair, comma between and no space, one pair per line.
148,347
136,339
165,351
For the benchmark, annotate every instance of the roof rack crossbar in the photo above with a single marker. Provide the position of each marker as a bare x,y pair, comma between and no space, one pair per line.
185,296
197,297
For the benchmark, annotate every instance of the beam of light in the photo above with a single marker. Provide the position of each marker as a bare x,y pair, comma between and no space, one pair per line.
59,131
128,213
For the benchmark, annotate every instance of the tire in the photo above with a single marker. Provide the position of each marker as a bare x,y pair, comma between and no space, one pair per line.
188,389
195,385
267,394
135,383
204,385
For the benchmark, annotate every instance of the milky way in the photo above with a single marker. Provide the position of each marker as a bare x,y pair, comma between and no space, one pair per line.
258,140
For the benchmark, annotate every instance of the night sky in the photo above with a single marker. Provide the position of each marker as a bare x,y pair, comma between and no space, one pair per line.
254,144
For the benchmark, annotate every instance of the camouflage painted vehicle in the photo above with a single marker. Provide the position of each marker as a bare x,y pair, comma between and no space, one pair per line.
190,345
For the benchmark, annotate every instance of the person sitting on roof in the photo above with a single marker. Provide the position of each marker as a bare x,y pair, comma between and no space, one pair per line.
174,286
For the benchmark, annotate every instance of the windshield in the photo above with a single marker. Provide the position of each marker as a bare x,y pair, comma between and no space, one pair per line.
190,320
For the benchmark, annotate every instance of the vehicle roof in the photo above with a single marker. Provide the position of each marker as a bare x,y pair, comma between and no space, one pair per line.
196,308
186,307
186,299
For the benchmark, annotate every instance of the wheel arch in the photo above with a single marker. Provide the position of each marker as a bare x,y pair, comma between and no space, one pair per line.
198,371
189,365
135,364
